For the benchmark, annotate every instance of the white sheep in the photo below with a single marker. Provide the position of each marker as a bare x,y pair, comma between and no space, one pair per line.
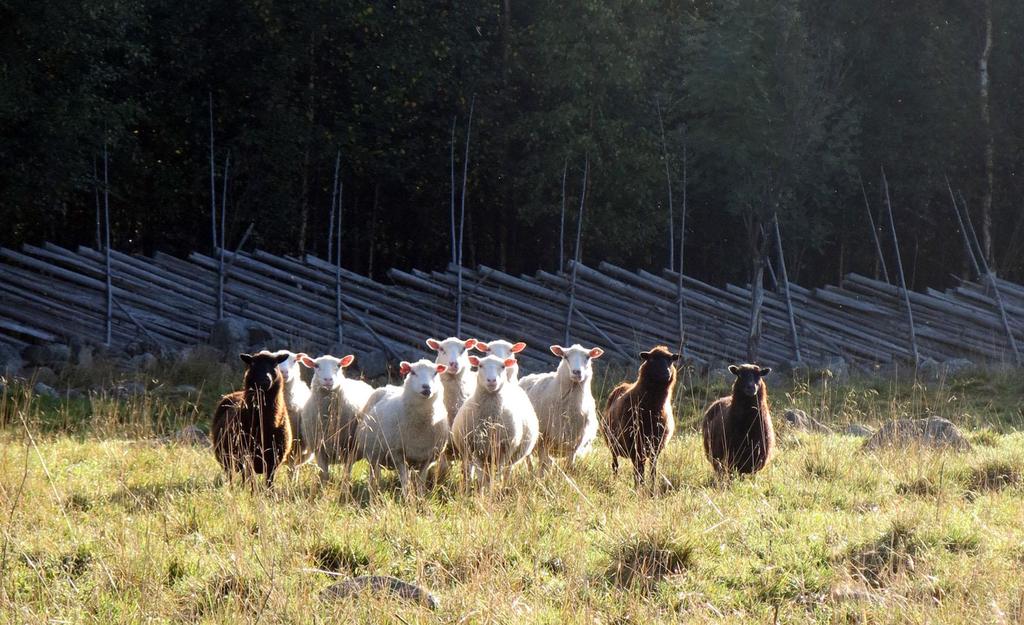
330,417
504,349
565,404
296,394
406,427
457,379
497,426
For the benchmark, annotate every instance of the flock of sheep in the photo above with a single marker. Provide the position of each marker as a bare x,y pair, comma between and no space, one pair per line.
474,409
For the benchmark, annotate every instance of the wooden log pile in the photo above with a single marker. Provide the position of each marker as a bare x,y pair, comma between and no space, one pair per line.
50,293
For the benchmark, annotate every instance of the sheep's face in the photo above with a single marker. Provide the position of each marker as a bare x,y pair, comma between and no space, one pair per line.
262,370
577,360
452,353
290,365
328,371
748,379
422,377
503,350
491,371
658,365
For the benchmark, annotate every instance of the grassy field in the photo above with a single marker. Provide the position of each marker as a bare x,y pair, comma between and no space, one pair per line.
104,523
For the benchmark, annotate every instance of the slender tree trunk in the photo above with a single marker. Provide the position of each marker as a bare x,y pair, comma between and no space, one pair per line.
310,117
506,217
986,120
373,230
755,238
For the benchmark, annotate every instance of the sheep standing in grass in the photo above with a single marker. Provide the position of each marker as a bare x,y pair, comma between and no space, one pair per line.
638,421
296,394
458,381
738,431
504,350
251,432
331,416
406,427
497,427
565,404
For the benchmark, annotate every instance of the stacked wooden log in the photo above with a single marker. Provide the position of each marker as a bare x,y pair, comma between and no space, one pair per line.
50,294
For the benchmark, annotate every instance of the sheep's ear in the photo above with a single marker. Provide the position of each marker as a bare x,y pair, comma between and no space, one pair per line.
404,367
346,361
765,371
518,347
509,362
474,361
306,361
279,358
677,357
442,368
470,343
246,358
733,369
433,344
597,352
484,347
645,355
557,351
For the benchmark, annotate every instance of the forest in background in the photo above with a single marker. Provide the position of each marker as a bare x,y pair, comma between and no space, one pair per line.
777,107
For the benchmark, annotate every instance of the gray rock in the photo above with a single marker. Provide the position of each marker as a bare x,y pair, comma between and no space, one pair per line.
928,369
45,390
143,362
53,355
928,432
74,394
129,389
184,391
10,360
800,420
957,366
191,435
44,375
235,334
836,368
82,353
372,364
856,429
380,584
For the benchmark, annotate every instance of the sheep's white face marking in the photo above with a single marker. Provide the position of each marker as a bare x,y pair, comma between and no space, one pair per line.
422,377
452,353
491,371
578,360
290,365
328,371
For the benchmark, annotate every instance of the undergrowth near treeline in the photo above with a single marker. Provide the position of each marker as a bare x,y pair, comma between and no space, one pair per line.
105,522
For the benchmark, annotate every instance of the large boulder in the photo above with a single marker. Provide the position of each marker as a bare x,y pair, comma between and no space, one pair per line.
929,432
380,585
10,361
235,334
856,429
143,362
801,421
372,364
53,355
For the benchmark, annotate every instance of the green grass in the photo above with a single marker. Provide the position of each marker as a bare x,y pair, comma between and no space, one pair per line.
102,523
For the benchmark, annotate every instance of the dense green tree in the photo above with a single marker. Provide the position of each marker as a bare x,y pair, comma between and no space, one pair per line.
781,105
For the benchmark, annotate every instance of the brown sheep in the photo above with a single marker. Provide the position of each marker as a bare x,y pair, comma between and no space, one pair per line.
251,430
738,432
638,420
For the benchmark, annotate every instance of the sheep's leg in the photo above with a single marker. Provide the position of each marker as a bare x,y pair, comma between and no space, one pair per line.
324,466
638,472
545,459
403,475
615,465
373,479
